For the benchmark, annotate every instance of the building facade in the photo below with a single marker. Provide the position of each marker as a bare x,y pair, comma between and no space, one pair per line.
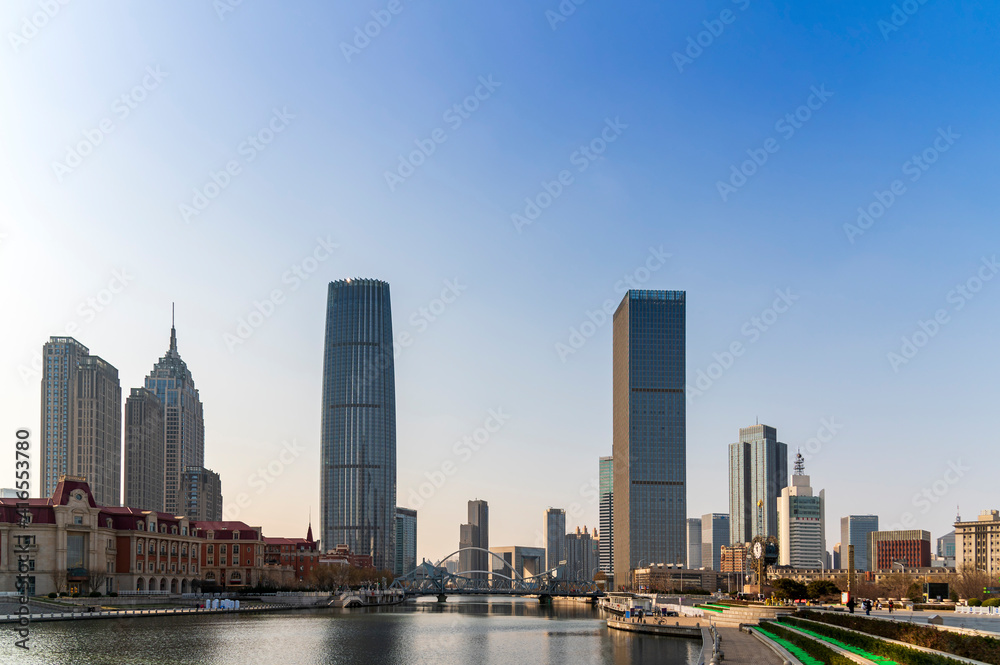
184,421
649,429
81,428
909,549
946,550
406,541
232,554
801,525
289,561
580,562
714,536
758,471
836,556
555,537
358,439
144,449
476,534
519,561
201,494
607,512
673,579
694,543
734,559
977,544
854,530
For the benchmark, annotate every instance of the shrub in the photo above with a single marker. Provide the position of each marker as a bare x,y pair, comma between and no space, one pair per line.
984,649
63,594
95,594
992,602
53,595
817,650
76,595
975,602
873,645
113,594
953,596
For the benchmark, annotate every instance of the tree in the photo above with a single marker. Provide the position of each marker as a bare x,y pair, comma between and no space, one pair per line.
897,585
821,588
969,582
95,579
791,589
59,580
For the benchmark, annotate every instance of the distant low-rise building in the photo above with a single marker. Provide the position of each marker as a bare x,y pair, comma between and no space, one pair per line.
671,578
977,544
733,559
908,549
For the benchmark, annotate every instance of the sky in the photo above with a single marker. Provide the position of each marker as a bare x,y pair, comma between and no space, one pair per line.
818,177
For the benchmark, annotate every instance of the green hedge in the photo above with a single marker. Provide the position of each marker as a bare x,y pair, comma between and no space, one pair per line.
985,649
883,651
816,651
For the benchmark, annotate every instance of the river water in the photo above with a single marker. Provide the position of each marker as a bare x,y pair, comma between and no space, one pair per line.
472,631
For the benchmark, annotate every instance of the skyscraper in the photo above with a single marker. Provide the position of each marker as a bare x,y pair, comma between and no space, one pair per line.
201,494
714,536
580,564
183,419
607,506
854,530
649,410
476,534
801,522
358,472
406,541
81,420
758,471
555,537
694,543
144,448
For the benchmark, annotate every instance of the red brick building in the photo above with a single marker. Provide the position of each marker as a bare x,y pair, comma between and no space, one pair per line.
288,561
910,549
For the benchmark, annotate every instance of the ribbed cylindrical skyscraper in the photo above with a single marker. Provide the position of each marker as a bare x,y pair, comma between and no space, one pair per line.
358,474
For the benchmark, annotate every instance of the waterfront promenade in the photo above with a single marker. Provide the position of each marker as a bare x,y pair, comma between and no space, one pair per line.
83,612
739,648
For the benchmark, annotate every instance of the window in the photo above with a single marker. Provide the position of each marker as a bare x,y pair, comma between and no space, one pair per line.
211,561
211,549
138,547
222,562
138,566
236,535
173,548
236,549
163,567
78,520
222,549
163,528
173,530
184,551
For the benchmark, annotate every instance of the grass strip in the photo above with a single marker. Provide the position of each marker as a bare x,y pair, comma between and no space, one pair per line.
815,652
870,647
976,647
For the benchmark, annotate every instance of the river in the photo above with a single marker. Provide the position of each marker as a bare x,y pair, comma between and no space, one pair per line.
460,632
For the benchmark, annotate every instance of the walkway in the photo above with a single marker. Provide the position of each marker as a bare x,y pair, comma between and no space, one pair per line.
742,649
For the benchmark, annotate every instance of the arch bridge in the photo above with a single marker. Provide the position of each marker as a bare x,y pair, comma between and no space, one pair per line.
429,579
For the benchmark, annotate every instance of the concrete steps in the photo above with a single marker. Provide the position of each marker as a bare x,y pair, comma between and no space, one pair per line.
736,615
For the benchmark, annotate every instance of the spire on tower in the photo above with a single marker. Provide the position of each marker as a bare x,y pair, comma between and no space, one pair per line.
173,332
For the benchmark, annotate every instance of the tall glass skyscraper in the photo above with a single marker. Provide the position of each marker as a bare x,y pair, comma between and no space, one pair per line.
183,418
650,463
854,530
358,474
607,544
758,471
714,536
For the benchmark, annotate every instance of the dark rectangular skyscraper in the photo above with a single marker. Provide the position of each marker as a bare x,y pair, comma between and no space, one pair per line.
650,464
358,474
144,449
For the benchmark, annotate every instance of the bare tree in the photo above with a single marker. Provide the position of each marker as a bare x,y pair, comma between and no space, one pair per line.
59,580
969,582
95,579
897,585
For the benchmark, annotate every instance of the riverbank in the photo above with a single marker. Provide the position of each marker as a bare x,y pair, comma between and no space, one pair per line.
139,613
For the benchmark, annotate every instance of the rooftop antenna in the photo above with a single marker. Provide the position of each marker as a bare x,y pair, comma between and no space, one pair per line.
173,331
800,464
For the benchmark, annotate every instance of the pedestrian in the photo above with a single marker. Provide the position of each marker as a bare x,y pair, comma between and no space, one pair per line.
890,607
851,605
868,608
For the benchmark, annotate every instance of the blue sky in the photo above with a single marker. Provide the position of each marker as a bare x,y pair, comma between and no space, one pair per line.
309,133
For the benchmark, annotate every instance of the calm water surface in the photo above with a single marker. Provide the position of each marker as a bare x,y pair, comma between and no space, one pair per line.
501,632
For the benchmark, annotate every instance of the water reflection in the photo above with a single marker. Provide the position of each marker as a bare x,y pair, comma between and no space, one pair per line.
479,631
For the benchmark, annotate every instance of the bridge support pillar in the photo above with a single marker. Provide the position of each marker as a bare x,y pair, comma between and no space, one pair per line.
442,598
545,599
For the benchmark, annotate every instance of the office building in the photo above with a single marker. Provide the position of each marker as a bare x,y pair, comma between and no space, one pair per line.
854,530
201,494
81,428
905,549
946,550
476,534
758,471
607,508
184,421
555,537
694,543
714,536
977,544
358,431
837,560
580,562
801,523
144,449
734,559
649,429
518,560
406,541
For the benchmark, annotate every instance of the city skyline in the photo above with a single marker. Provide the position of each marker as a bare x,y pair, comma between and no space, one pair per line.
834,336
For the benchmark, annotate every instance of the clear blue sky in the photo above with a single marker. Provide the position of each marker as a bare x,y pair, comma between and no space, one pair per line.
209,78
